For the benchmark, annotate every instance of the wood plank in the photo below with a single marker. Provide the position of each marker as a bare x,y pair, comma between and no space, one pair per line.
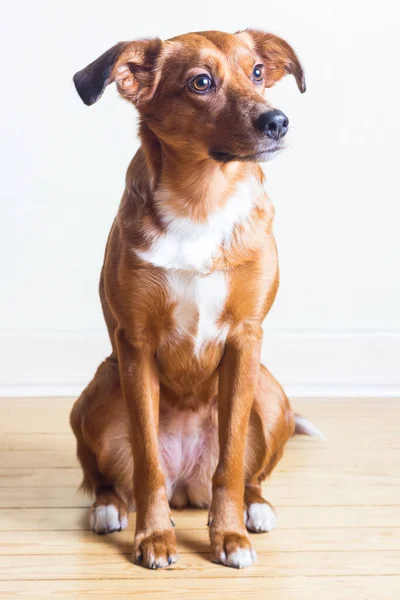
42,459
387,475
334,539
75,519
292,564
54,421
279,494
337,501
52,415
313,456
160,585
40,477
32,442
317,403
371,439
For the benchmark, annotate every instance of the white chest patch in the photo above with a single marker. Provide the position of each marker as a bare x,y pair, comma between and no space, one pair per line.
200,300
192,246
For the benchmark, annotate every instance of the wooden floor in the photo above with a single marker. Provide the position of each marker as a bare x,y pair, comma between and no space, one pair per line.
338,501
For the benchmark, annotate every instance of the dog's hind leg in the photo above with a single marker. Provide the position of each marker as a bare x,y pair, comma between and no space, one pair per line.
109,513
103,448
272,423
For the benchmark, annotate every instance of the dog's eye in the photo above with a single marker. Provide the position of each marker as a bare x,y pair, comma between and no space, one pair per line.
201,83
258,73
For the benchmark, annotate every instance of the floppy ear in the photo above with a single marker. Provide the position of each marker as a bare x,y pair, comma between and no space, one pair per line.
132,65
279,58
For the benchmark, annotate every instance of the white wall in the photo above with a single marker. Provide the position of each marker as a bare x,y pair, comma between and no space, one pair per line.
335,325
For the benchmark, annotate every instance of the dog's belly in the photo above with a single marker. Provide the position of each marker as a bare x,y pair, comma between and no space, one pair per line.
188,446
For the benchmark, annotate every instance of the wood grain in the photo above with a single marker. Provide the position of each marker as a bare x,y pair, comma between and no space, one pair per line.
337,502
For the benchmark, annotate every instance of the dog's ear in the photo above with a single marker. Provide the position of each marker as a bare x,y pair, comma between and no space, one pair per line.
279,58
132,65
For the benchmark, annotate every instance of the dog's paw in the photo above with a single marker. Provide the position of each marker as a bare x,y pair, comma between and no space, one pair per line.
155,551
232,550
107,519
259,517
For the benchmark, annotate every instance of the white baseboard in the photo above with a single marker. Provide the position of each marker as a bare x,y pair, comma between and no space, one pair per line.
308,363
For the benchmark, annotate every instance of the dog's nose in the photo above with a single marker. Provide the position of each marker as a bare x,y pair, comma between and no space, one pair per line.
274,123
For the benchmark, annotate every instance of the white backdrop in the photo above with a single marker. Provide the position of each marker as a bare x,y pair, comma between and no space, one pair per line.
335,325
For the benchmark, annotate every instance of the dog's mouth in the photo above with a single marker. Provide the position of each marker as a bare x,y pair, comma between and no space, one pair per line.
262,155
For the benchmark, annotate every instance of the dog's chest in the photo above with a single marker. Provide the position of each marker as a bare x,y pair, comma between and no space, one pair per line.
197,295
193,246
197,304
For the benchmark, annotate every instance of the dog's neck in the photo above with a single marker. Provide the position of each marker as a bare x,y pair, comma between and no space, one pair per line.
188,212
188,184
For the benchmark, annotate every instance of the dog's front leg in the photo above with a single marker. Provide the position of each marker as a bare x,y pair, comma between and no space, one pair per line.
155,544
230,544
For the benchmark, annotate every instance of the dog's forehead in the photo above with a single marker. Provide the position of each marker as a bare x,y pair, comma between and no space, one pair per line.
217,45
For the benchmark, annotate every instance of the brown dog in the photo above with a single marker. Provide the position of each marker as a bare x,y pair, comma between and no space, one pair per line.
182,413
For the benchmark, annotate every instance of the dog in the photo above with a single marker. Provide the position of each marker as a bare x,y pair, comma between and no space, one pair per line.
182,413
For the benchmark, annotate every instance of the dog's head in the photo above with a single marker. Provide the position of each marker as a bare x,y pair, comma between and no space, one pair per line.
201,91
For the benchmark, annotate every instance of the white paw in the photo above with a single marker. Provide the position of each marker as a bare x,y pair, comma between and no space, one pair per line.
259,517
106,519
241,558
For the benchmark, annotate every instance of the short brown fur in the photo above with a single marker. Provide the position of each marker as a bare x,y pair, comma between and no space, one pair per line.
117,418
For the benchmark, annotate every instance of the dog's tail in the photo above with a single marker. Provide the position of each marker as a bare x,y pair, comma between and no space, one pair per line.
305,427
